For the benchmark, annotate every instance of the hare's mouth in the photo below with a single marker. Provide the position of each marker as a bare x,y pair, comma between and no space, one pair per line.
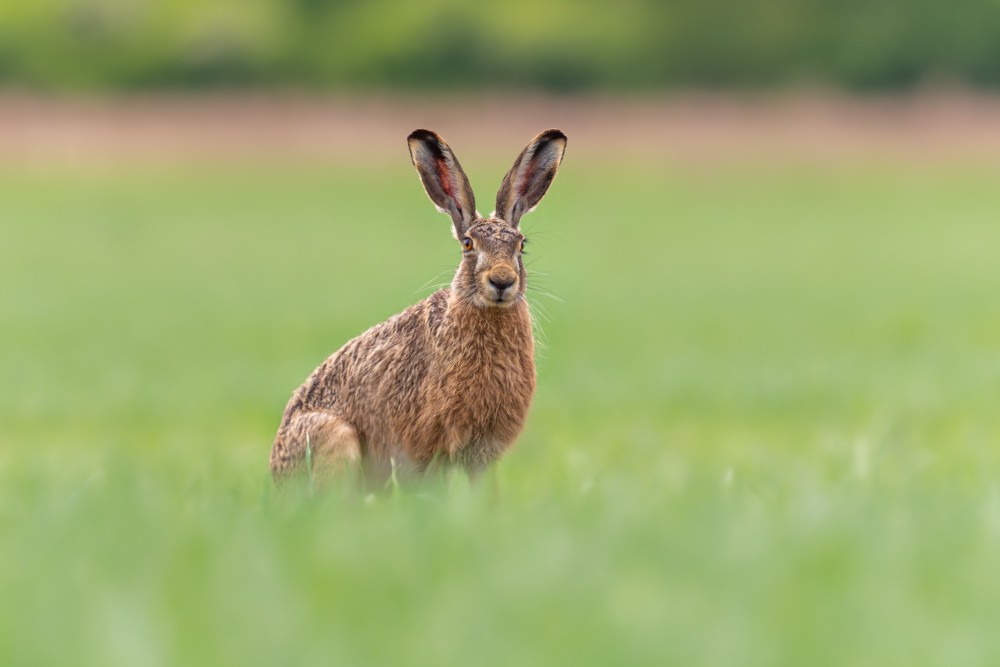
503,300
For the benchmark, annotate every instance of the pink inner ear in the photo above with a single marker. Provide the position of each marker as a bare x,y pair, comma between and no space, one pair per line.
526,179
444,177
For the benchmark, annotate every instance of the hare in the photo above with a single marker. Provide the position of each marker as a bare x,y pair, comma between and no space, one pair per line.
450,379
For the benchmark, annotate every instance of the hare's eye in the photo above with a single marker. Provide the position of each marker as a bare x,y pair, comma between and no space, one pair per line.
467,243
521,248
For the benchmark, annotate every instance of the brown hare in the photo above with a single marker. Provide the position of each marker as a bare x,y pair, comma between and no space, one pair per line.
450,379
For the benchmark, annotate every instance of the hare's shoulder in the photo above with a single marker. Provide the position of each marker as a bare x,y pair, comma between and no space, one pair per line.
406,330
435,307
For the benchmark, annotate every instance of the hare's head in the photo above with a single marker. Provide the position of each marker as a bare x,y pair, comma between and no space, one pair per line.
491,273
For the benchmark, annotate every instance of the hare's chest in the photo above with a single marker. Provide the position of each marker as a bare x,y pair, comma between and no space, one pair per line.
482,388
488,401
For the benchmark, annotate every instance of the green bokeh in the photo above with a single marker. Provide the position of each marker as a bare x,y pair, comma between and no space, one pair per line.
765,429
560,45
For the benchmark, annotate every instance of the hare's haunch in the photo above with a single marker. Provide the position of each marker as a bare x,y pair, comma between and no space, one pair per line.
450,379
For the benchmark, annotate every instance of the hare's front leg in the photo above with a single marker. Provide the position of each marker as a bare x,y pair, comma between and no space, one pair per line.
317,443
476,458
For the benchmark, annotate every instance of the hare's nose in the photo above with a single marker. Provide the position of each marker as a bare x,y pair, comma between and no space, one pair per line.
502,282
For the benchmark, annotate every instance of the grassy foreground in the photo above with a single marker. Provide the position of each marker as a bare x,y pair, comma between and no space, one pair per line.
766,429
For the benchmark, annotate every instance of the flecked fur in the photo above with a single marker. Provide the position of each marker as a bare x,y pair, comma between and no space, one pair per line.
451,378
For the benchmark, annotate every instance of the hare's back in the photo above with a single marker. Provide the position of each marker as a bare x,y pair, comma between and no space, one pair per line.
374,374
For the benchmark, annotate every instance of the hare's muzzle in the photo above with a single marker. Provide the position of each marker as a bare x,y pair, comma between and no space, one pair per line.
502,284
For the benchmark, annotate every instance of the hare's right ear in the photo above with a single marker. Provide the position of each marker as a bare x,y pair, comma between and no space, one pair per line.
528,180
443,178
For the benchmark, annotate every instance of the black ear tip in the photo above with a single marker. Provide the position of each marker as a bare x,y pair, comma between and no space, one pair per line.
423,135
552,135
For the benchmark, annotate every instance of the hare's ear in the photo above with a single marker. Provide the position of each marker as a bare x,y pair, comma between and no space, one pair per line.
527,181
443,178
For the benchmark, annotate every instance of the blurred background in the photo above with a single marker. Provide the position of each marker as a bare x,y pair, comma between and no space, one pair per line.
765,292
92,80
638,45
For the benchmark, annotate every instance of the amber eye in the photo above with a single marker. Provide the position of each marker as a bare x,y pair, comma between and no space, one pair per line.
467,243
523,241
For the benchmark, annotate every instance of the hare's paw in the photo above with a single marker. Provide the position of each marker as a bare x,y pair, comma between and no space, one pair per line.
317,445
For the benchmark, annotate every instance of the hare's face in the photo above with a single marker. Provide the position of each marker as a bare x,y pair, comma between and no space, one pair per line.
491,274
492,271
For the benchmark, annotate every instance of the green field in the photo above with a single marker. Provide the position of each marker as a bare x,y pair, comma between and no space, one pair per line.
766,428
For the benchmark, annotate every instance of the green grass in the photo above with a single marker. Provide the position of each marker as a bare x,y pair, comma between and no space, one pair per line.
766,428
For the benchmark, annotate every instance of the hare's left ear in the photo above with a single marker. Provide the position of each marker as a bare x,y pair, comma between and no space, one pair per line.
528,180
443,178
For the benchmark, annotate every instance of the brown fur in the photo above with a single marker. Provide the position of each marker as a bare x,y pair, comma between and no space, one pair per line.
449,379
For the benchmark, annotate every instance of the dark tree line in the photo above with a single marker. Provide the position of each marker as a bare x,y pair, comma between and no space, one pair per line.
556,45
